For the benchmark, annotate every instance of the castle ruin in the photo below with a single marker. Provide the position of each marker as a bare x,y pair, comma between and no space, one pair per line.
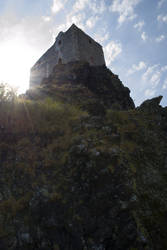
70,46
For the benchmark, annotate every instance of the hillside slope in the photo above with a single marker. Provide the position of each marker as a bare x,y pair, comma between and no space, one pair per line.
81,171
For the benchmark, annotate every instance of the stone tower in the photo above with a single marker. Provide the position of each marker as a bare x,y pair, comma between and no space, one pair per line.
70,46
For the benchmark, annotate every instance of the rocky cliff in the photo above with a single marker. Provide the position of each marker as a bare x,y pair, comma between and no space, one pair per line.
79,83
81,167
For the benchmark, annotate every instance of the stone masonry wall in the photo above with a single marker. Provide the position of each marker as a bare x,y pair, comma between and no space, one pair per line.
73,45
89,50
43,67
66,46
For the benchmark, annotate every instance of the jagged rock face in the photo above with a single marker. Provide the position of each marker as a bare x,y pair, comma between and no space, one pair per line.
75,173
72,181
151,104
99,80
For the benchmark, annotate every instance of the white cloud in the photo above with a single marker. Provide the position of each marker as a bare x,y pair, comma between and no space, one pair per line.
77,18
57,5
164,68
144,36
139,25
46,18
111,51
97,6
165,84
160,3
162,18
149,92
160,38
77,14
140,66
148,75
155,78
152,78
149,72
91,22
125,9
80,5
101,37
13,27
102,34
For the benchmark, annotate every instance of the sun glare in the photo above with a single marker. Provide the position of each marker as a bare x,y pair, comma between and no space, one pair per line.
16,59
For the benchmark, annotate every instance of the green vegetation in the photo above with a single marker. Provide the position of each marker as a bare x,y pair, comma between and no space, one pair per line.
72,178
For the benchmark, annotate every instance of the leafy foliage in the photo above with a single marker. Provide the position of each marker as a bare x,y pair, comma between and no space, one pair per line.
7,93
71,180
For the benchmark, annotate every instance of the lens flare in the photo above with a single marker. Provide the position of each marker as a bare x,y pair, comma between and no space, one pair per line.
16,59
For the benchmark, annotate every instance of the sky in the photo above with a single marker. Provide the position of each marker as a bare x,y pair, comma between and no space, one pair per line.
133,34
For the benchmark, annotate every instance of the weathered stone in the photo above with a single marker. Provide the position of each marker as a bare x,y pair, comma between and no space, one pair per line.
73,45
96,85
151,104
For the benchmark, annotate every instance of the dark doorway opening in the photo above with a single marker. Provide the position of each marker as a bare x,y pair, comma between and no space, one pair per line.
60,61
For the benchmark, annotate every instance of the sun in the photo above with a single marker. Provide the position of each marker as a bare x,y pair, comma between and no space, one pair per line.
16,59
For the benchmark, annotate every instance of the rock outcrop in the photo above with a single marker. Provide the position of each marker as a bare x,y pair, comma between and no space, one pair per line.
81,168
151,104
94,83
